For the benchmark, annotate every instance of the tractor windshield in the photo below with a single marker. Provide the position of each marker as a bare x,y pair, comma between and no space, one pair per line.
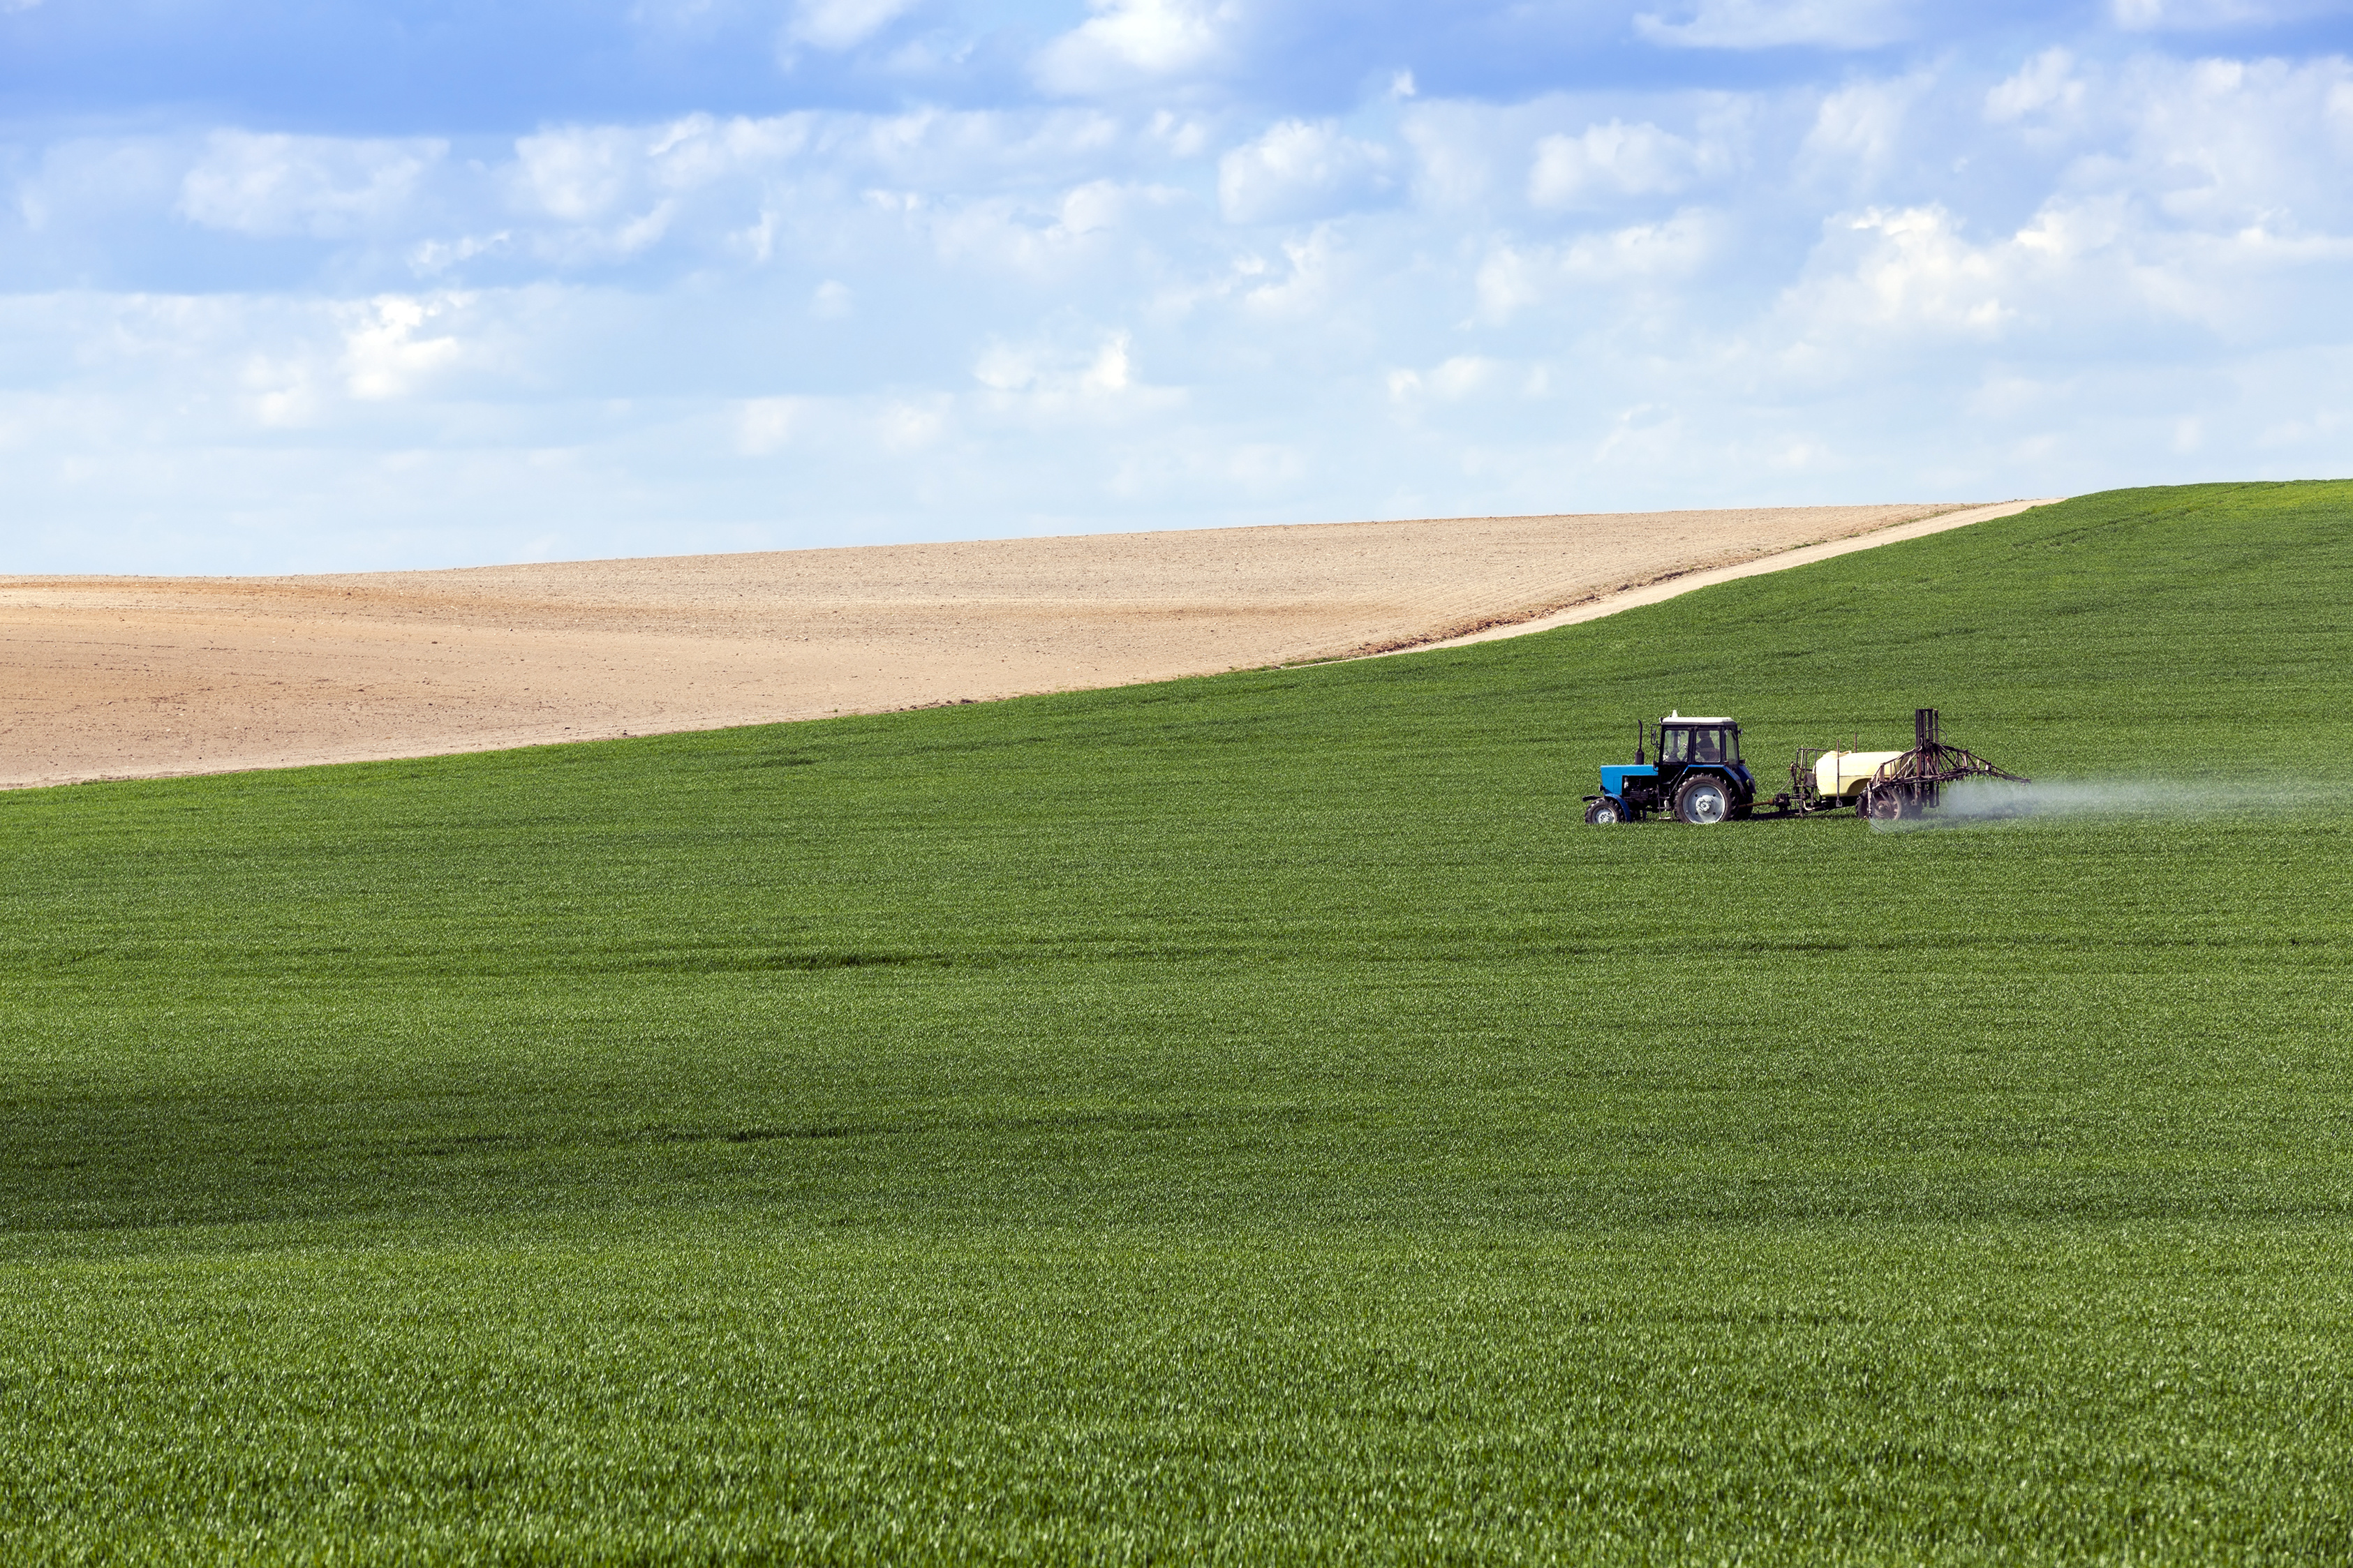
1674,745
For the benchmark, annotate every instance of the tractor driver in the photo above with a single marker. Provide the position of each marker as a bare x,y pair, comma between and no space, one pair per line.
1707,745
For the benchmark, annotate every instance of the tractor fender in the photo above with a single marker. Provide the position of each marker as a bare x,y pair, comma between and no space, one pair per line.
1736,781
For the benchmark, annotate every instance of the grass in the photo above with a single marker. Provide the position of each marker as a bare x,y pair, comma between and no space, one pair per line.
1249,1118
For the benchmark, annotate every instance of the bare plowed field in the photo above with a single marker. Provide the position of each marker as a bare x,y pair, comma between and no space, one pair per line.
131,677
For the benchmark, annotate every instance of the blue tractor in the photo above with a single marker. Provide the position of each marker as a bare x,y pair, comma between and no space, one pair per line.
1698,775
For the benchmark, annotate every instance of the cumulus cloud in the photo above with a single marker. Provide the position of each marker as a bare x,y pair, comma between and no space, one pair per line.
391,346
2194,15
1451,381
588,174
1612,160
577,173
765,424
1048,383
2045,86
1771,24
1129,42
1298,169
1859,128
1302,287
1657,255
2231,143
843,24
1910,270
2042,267
323,186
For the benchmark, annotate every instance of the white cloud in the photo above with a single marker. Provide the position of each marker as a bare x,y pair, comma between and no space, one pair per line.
1450,381
388,351
1659,256
832,300
1647,436
2045,86
1300,169
951,321
1127,42
1046,236
285,391
907,425
843,24
2090,281
1045,382
590,173
2196,15
432,255
1454,166
1307,285
766,425
2225,143
1770,24
1911,271
1653,253
1611,160
1182,135
1507,280
580,172
323,187
1857,129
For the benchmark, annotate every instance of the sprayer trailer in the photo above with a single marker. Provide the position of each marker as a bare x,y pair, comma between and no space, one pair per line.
1909,782
1699,776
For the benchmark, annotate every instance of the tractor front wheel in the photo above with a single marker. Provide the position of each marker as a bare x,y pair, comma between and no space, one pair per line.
1602,814
1703,802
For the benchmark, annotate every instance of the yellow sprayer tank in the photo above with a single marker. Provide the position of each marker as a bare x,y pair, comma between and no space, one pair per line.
1841,775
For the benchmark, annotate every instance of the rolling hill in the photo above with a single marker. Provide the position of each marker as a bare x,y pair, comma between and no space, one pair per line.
1246,1117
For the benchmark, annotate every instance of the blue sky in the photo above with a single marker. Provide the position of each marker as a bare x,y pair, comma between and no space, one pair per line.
319,284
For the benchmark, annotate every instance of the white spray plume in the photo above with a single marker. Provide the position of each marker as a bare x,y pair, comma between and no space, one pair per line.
1972,801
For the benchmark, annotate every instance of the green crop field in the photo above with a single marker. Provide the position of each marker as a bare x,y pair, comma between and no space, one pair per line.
1248,1118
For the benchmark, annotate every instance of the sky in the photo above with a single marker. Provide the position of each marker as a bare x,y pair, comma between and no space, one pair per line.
319,285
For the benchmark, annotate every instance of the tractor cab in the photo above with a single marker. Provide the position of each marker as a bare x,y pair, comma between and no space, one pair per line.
1697,775
1699,742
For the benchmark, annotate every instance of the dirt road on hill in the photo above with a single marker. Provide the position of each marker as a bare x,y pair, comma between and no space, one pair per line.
146,676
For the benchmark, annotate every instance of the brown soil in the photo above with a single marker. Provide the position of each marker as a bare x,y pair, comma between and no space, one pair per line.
141,677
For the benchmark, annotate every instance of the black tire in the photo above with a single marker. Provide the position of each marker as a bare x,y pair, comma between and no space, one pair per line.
1703,801
1602,814
1888,803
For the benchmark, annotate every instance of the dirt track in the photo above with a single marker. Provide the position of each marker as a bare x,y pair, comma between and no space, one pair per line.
143,677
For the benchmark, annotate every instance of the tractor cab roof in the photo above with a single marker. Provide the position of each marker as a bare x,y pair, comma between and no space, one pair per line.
1689,719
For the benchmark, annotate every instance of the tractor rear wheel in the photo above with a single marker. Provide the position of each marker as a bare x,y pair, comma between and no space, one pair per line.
1602,814
1703,802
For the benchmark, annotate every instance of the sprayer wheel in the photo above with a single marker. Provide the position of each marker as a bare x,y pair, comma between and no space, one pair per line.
1886,806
